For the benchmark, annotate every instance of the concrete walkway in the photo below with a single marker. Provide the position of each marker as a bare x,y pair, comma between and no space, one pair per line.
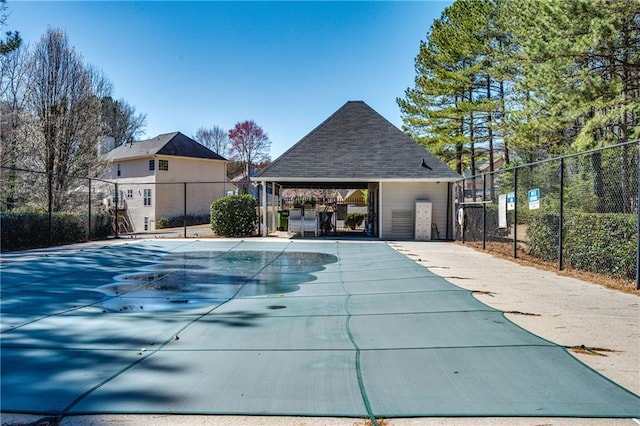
564,310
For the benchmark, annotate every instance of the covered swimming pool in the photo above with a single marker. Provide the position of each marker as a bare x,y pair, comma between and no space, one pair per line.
308,328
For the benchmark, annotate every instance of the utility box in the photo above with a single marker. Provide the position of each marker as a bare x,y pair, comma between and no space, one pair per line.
423,218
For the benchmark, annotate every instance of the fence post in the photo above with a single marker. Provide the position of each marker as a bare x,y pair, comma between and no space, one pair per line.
89,221
638,225
463,224
515,212
50,206
185,210
561,215
484,211
449,212
116,210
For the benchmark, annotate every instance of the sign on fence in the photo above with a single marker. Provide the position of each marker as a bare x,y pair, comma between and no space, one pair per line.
511,201
534,198
502,211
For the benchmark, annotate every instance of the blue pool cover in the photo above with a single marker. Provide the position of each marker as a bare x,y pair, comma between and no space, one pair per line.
336,329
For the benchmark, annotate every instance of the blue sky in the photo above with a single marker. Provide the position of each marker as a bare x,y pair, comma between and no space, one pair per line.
285,65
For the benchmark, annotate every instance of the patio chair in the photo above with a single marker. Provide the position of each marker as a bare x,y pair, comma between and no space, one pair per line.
310,222
295,221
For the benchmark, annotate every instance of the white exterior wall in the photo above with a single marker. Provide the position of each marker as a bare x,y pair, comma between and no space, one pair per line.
186,169
136,176
167,187
170,189
402,196
129,169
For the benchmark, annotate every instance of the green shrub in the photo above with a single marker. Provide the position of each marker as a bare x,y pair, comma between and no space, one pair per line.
22,230
178,221
603,243
354,220
234,216
162,222
542,235
596,242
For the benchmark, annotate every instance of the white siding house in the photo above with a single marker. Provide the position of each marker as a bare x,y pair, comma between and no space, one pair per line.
152,177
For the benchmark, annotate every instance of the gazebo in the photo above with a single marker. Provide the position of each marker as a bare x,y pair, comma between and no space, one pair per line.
409,189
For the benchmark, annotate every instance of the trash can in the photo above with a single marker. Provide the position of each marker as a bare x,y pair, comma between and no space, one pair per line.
283,220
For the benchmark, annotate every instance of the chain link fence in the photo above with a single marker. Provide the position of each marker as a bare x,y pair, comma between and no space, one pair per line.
44,209
578,211
40,209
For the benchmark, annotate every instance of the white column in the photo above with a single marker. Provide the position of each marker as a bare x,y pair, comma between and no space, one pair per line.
273,206
265,231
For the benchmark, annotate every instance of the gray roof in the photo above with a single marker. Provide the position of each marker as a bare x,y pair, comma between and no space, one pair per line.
356,143
173,144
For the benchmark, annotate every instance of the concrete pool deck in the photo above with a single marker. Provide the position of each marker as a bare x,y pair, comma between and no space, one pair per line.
563,310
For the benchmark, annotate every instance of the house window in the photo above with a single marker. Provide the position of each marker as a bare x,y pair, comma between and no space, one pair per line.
129,193
163,164
147,197
146,223
118,170
152,164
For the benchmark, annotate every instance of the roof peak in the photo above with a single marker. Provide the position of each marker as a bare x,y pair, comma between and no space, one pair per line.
159,136
356,142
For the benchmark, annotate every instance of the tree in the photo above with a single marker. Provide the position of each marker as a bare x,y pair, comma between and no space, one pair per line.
215,138
584,63
13,39
450,110
249,145
63,99
54,109
121,121
13,83
540,78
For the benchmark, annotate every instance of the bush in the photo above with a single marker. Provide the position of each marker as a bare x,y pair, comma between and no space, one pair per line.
542,234
162,223
596,242
178,221
354,220
31,229
604,243
234,216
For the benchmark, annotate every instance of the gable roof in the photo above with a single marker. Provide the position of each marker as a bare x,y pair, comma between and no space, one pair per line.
358,144
173,144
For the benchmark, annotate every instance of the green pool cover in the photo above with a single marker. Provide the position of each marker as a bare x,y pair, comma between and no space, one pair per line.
352,329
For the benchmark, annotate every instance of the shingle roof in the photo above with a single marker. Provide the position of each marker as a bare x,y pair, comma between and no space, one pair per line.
173,144
357,143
